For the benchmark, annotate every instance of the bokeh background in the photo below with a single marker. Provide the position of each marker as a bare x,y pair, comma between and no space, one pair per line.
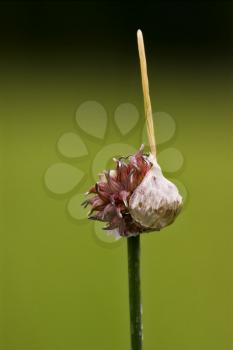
60,287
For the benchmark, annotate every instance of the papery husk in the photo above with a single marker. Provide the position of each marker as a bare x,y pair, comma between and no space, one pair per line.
156,202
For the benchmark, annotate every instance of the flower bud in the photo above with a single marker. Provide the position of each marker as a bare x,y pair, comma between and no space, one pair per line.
156,201
135,197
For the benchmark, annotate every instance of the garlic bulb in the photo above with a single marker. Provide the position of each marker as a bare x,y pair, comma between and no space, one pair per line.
156,202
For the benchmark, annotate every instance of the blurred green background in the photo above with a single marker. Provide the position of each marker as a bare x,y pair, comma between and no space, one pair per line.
60,286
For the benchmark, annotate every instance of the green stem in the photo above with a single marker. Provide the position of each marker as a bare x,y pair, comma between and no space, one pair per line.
135,292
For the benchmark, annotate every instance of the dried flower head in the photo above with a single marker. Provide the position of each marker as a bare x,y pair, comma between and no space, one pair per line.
135,197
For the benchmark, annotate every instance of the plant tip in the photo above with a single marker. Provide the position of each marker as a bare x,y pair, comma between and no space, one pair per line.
139,33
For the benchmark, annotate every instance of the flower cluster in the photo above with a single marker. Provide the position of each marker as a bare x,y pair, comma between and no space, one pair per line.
112,193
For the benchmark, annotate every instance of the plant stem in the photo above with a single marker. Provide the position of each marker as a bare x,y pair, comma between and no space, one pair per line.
135,292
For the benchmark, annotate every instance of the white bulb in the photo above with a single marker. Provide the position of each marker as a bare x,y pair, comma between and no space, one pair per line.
156,202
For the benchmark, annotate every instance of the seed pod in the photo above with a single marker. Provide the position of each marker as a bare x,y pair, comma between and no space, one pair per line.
156,202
